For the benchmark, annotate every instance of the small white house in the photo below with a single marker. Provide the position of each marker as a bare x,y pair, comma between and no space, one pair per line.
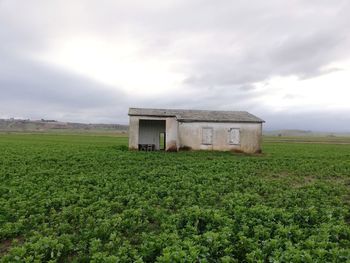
173,130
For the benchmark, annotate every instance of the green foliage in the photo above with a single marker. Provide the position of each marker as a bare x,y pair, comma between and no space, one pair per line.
76,198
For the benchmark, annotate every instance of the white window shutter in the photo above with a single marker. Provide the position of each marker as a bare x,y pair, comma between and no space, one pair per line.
234,136
207,136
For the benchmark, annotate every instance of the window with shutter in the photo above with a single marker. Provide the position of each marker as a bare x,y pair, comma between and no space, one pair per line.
207,136
234,136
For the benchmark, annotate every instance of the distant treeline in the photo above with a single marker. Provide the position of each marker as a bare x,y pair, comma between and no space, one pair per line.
48,125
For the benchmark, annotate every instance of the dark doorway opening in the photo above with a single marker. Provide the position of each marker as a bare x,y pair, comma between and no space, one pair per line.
152,135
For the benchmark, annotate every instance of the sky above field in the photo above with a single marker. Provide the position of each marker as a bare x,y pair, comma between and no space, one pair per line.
287,62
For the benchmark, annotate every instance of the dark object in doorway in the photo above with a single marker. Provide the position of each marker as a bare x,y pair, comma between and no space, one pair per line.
147,147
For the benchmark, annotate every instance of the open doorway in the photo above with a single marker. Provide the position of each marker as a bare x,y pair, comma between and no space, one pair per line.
152,135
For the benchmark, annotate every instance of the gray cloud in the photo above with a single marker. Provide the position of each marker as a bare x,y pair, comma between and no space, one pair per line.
224,47
29,87
312,120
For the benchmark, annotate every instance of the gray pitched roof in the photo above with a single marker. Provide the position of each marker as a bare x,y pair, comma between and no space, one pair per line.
197,115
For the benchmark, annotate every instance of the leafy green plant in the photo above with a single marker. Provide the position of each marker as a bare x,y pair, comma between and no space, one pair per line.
76,198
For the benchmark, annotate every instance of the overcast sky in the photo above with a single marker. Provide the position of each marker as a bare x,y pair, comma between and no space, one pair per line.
287,62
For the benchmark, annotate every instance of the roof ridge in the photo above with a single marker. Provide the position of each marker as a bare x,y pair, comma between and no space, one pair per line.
197,115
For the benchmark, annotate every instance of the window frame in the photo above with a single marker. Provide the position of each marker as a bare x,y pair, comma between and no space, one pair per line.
231,142
212,135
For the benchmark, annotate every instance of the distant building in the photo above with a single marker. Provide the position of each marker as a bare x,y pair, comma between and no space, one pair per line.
173,130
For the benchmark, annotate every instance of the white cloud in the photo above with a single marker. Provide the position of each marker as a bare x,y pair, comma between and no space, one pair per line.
116,62
328,92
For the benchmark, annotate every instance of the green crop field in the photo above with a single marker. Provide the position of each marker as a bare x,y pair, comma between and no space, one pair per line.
86,198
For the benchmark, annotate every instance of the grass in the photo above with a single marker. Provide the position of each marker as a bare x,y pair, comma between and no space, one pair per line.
86,198
311,139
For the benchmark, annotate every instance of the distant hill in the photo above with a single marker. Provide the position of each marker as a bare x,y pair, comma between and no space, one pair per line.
18,125
296,133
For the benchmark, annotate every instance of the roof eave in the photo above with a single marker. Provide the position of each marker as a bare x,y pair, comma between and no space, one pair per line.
225,121
152,115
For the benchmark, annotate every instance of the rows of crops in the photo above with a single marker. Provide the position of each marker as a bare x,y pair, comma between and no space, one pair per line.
67,198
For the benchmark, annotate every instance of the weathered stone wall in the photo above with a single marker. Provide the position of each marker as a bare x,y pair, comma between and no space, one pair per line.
172,139
133,132
190,136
